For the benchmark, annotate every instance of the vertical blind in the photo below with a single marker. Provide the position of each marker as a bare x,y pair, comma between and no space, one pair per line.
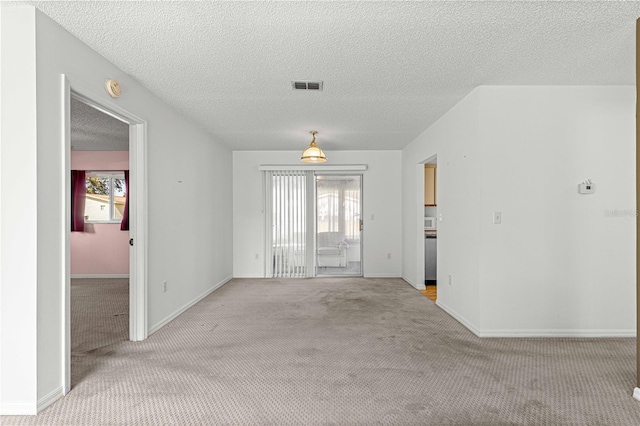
287,204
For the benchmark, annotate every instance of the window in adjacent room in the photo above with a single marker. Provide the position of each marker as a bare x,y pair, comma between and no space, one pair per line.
106,197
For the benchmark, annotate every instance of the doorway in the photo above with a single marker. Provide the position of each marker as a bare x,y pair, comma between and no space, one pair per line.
430,232
99,240
137,251
338,225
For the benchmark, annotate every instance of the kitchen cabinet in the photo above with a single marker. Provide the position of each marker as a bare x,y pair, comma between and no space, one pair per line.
430,196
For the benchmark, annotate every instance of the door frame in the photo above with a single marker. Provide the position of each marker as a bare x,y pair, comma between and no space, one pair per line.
420,252
138,213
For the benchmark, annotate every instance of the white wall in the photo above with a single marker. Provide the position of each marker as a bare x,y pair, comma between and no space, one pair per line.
557,265
184,165
381,198
18,173
454,139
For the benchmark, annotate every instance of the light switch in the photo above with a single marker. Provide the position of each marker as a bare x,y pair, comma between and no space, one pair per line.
497,218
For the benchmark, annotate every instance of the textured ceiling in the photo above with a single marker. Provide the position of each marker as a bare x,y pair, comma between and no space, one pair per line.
390,69
93,130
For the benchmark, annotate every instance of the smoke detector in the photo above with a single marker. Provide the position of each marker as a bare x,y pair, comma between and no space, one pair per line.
113,88
306,85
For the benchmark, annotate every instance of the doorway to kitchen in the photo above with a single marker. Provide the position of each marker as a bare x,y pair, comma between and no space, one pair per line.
338,225
430,229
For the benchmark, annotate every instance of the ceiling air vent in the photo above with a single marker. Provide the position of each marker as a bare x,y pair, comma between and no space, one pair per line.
306,85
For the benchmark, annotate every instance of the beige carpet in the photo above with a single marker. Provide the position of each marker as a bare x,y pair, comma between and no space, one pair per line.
99,318
344,351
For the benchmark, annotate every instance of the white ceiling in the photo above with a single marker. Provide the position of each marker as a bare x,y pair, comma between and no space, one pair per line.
93,130
390,69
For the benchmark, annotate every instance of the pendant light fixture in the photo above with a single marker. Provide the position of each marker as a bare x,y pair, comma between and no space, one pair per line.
313,153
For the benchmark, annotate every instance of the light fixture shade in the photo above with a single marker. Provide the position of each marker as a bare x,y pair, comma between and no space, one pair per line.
313,153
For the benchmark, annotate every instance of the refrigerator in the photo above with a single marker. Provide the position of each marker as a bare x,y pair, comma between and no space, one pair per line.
430,260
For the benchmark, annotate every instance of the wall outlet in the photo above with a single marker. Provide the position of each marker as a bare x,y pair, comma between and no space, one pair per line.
388,255
257,256
164,286
450,279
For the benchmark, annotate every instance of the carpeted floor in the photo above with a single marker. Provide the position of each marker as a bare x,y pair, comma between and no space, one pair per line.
99,318
345,351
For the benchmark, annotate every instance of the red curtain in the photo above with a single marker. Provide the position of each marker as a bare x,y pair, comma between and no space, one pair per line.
124,225
78,196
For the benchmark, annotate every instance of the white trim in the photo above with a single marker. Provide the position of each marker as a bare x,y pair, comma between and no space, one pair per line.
99,276
18,409
404,277
30,408
472,328
411,284
66,235
186,306
379,276
636,394
138,231
314,167
257,277
582,333
50,398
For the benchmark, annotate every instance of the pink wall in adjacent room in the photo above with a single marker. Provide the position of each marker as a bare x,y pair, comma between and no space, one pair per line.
100,160
103,249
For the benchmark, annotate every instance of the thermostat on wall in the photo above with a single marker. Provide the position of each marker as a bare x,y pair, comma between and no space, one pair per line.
587,187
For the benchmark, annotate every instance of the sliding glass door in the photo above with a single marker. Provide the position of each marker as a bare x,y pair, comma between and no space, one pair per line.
338,225
314,224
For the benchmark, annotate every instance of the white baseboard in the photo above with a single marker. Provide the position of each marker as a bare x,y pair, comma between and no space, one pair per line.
28,408
186,306
409,281
580,333
417,287
250,276
99,275
381,276
584,333
462,320
636,394
18,409
50,398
